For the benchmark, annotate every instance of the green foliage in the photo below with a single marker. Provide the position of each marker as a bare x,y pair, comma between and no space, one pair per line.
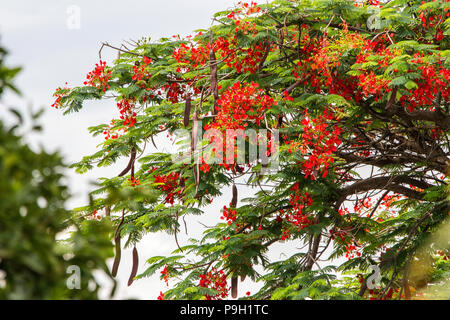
400,141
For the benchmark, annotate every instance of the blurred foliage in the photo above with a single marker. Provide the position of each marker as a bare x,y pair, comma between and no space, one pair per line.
34,264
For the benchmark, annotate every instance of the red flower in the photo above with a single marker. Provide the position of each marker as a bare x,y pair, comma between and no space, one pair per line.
99,77
217,280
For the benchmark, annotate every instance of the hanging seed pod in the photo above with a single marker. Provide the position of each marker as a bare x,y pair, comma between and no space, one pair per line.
235,197
118,248
130,163
134,269
187,111
197,176
153,142
234,287
107,211
213,69
117,256
243,276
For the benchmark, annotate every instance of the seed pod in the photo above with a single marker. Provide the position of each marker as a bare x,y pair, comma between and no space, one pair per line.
118,248
213,68
134,269
153,142
235,197
187,111
234,287
197,176
130,163
117,256
243,276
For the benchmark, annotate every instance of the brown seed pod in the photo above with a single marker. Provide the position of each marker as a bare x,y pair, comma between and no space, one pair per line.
134,269
234,287
197,176
118,248
187,111
213,69
153,142
235,197
130,163
117,256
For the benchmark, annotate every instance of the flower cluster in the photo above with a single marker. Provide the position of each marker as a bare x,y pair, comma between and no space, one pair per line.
317,143
161,296
241,103
228,214
139,70
241,59
204,167
372,81
192,54
168,184
165,275
434,77
360,3
322,61
134,182
430,18
217,280
239,106
99,77
112,132
196,53
391,294
60,93
126,108
299,201
244,9
344,237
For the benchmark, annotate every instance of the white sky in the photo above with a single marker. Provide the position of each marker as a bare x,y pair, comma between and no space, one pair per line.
37,37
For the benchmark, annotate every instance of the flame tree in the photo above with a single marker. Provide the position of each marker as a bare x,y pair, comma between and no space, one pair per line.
359,93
